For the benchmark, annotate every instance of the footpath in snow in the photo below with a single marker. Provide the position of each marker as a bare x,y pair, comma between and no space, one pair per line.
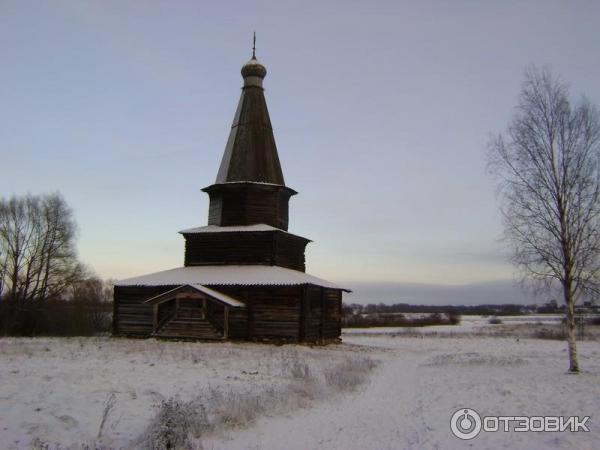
421,382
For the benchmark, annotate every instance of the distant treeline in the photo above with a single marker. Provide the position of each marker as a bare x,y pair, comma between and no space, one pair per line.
399,320
406,315
483,310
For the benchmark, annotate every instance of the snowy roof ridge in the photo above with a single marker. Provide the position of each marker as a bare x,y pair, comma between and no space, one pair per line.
252,182
231,228
228,300
247,275
254,228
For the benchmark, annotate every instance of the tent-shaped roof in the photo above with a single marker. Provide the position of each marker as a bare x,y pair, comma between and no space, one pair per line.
251,153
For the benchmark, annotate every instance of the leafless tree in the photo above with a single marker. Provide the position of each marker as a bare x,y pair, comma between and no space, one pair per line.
94,297
547,164
37,243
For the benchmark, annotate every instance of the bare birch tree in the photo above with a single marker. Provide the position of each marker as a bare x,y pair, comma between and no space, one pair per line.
547,164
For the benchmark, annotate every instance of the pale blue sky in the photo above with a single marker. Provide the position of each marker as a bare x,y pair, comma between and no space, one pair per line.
381,112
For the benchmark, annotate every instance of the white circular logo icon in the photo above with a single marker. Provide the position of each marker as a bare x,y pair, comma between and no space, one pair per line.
465,423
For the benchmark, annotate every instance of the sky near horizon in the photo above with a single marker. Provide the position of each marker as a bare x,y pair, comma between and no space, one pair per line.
381,111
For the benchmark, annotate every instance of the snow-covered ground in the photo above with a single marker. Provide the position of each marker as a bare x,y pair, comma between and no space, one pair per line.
105,392
265,397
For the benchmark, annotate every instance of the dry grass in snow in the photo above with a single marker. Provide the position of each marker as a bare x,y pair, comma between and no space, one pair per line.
63,393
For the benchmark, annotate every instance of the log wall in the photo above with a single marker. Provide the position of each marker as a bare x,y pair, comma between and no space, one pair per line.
289,251
332,313
273,313
249,203
274,248
130,316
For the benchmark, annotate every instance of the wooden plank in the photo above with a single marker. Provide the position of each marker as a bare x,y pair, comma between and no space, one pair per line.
155,316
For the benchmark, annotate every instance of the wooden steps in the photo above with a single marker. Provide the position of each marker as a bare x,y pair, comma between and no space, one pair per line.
189,323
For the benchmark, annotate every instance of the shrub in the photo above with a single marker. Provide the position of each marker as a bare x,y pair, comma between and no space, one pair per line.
548,333
174,423
180,424
454,318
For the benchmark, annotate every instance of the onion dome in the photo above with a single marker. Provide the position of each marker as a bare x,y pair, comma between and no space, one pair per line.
254,69
253,73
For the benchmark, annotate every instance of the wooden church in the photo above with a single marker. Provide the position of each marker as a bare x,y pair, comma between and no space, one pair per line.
244,274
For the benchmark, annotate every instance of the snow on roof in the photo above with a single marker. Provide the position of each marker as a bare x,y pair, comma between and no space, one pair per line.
252,182
210,292
257,227
218,229
241,182
227,275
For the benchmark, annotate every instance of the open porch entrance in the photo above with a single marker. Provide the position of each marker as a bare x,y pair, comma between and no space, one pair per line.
192,311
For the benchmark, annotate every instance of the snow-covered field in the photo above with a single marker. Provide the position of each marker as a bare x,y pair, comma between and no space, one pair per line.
54,393
525,326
